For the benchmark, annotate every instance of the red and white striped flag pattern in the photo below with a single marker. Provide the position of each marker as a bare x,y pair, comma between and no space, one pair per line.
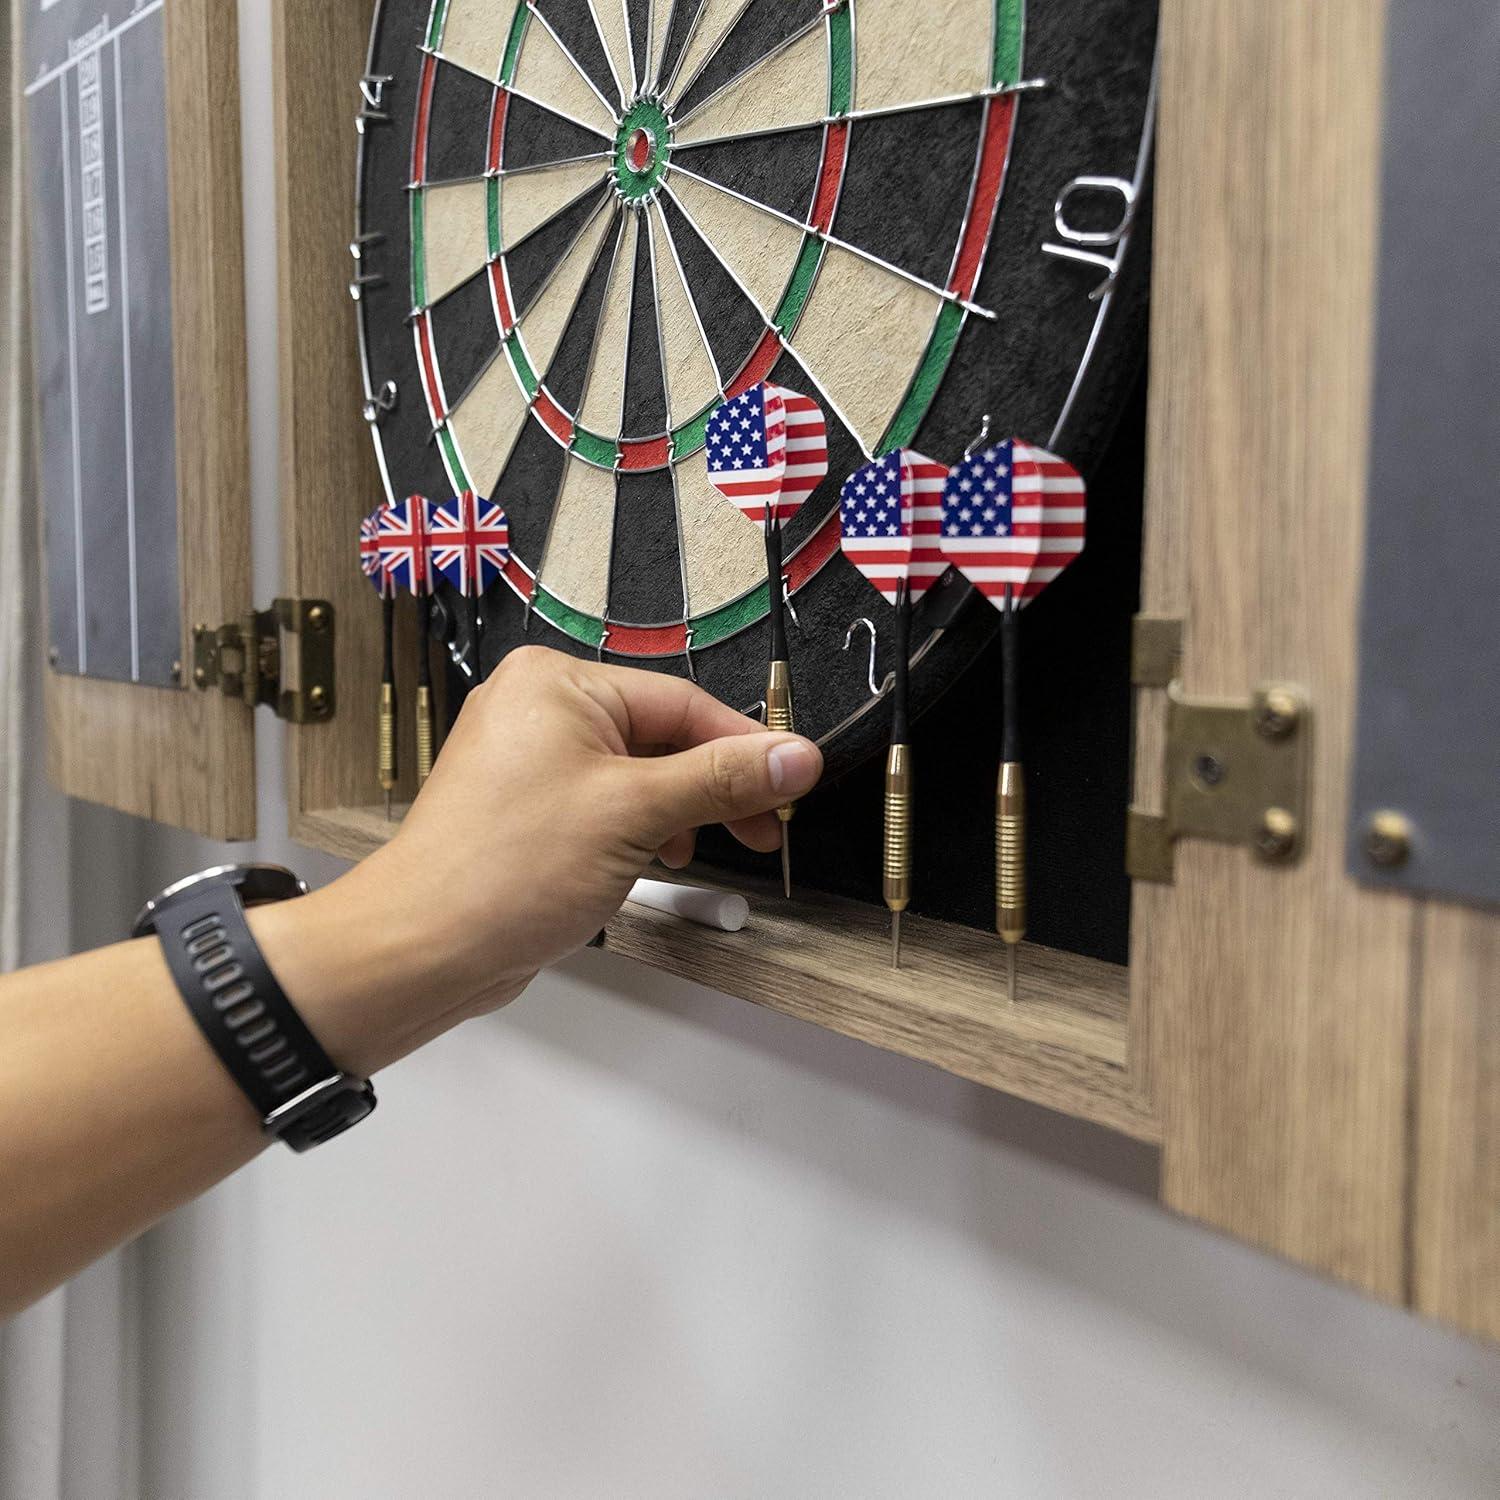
806,452
891,521
1013,515
922,483
767,448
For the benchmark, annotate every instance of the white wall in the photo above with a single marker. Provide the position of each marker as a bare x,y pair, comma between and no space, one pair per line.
631,1238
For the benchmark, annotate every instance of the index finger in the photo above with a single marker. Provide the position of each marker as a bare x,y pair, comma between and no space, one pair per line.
653,710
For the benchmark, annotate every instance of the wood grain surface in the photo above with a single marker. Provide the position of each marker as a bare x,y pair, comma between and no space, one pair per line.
328,473
186,757
1063,1043
1278,997
1455,1229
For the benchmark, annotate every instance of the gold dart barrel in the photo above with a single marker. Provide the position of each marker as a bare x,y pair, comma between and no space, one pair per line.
424,734
779,713
896,884
387,737
1010,853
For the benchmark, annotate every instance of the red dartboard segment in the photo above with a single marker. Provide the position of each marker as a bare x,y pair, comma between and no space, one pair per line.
758,366
497,129
500,298
553,417
432,386
830,176
645,453
990,179
647,640
424,115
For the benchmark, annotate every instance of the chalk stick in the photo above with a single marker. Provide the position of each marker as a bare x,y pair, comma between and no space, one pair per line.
708,908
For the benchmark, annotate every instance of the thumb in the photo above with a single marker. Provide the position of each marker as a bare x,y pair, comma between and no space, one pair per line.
727,779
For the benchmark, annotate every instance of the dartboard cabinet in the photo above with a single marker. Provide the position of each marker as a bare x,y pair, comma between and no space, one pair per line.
526,249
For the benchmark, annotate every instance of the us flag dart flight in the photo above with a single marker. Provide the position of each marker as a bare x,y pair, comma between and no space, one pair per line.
767,450
1013,519
890,522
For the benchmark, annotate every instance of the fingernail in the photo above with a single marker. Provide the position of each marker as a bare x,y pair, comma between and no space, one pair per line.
793,766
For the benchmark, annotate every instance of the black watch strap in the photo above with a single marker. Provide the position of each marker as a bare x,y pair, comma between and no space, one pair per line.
234,997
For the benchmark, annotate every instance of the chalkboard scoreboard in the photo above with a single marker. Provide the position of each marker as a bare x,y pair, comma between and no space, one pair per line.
101,296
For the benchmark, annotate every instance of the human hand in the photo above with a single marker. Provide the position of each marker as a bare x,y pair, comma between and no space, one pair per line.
559,782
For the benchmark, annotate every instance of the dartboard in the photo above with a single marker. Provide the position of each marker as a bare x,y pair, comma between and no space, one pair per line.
584,224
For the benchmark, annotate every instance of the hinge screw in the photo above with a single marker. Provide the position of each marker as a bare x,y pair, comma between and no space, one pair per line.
1277,835
317,617
200,677
317,695
176,671
1276,713
1387,840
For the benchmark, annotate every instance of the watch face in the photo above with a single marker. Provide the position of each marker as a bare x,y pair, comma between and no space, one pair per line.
256,883
585,223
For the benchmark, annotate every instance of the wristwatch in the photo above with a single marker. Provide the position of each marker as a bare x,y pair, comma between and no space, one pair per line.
301,1097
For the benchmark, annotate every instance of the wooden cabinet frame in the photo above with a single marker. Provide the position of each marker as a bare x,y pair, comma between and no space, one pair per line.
176,755
1313,1058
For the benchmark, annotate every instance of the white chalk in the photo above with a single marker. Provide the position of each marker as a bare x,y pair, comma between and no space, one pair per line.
708,908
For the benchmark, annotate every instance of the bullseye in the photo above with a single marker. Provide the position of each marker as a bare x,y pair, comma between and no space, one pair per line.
639,148
643,142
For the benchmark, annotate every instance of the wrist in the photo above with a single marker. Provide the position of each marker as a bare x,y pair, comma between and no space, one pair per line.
355,982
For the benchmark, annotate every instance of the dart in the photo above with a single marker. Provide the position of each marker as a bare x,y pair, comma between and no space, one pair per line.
1013,519
469,542
404,547
369,561
767,450
890,517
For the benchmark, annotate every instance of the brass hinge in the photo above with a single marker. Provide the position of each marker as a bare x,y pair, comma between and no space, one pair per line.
282,657
1236,772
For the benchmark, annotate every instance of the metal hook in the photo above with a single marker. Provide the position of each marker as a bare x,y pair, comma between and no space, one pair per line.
786,603
848,639
757,710
984,432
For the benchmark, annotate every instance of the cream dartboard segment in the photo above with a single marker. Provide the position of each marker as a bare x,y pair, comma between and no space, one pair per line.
587,224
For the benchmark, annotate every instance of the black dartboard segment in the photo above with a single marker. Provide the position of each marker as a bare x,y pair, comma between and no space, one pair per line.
594,221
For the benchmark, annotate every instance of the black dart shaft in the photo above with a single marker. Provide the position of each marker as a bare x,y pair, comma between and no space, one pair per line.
779,680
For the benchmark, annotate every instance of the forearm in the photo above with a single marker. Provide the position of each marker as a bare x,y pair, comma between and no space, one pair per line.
114,1109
